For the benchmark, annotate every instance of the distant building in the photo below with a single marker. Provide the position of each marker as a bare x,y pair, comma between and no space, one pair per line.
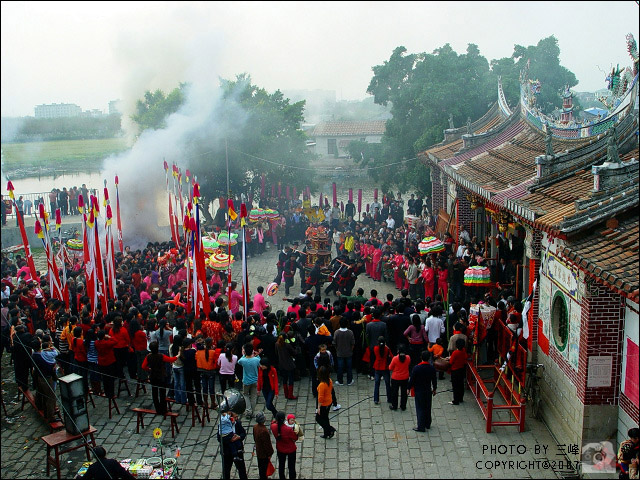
57,110
92,113
333,138
114,107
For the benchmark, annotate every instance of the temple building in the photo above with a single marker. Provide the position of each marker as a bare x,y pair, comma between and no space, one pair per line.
560,202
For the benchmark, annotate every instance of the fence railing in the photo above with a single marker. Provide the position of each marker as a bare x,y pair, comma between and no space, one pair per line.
35,199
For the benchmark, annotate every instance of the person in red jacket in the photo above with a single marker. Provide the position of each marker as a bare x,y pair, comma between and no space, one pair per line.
285,445
458,361
81,366
443,281
380,360
121,349
268,384
106,362
399,368
139,343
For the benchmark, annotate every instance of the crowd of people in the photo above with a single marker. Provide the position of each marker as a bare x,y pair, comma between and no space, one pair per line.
149,335
66,200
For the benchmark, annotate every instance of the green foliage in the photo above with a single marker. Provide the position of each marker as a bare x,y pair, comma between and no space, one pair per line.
155,107
29,129
424,89
544,65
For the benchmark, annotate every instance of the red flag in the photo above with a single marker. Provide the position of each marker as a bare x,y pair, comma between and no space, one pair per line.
232,213
120,242
375,195
351,194
110,258
295,193
359,200
23,234
288,195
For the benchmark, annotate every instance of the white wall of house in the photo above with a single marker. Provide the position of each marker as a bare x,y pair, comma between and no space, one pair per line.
322,143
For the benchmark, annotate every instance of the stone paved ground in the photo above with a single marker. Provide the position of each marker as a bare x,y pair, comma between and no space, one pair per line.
371,440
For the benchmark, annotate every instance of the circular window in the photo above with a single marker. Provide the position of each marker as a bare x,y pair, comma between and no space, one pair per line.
560,321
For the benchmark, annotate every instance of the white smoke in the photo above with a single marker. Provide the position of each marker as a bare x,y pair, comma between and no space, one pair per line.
164,64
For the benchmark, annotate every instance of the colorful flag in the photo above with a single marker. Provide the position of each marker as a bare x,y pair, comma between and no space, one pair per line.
232,213
23,234
120,242
245,275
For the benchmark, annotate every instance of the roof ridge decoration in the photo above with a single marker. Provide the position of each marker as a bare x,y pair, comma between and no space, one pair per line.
502,101
550,169
624,91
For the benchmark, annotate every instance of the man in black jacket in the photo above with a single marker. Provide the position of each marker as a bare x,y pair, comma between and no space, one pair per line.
424,382
105,467
228,458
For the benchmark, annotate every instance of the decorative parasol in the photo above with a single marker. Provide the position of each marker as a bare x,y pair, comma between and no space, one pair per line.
430,245
272,289
261,214
74,244
209,244
223,239
220,260
477,276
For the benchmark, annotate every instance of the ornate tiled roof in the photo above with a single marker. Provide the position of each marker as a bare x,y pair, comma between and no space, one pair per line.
448,150
609,254
337,129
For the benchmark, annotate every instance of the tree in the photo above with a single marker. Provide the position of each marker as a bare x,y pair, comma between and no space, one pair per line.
155,107
257,131
424,89
544,65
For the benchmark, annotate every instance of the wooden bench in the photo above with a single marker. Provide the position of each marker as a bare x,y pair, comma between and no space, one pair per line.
27,396
141,412
56,440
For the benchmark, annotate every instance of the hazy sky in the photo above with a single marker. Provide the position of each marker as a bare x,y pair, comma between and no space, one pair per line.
89,53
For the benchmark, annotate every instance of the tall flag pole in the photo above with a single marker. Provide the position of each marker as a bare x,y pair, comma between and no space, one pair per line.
110,258
23,234
232,216
245,275
52,267
173,231
86,256
120,242
181,202
200,285
188,242
174,217
62,256
91,264
359,202
100,280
